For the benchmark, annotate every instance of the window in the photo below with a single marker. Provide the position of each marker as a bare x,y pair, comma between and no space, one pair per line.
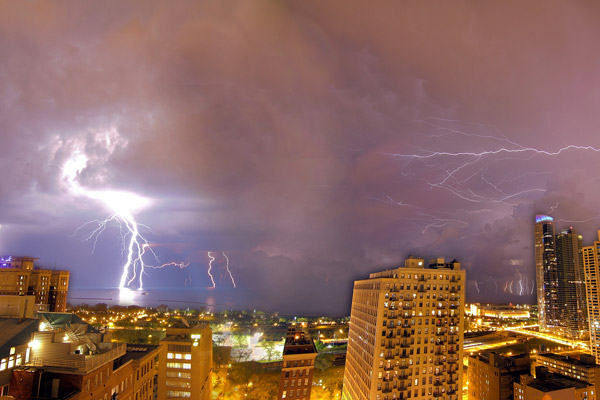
178,393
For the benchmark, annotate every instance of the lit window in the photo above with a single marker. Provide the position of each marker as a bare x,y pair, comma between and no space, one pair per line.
169,355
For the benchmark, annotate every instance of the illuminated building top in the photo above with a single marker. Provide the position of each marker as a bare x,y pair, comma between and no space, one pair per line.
543,218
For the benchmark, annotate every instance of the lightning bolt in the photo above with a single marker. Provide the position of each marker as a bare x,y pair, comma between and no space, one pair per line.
123,207
210,268
458,170
228,271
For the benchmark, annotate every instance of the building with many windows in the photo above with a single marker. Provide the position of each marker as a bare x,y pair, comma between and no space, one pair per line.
548,386
591,267
185,363
583,368
19,276
546,273
571,284
491,375
406,333
299,353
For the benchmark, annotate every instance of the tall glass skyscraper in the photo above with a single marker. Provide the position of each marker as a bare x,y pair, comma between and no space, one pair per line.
571,283
546,273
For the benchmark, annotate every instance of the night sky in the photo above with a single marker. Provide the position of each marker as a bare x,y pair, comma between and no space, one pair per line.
312,142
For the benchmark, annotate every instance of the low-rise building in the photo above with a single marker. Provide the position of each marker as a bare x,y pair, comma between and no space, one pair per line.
72,360
491,375
15,350
547,386
583,368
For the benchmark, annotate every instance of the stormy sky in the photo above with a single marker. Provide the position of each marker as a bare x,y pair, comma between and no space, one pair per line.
311,142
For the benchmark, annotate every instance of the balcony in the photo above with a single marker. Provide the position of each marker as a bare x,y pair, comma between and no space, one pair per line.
404,355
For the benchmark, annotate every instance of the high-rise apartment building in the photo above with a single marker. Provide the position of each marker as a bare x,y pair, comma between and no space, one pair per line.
546,272
19,276
185,364
299,353
491,375
406,333
571,284
591,267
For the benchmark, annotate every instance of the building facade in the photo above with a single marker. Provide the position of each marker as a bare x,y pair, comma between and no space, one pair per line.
406,333
15,351
299,353
69,359
491,375
583,368
19,276
546,273
571,284
185,364
591,267
548,386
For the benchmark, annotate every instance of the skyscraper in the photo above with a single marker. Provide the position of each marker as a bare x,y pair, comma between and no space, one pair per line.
591,267
571,283
546,273
405,338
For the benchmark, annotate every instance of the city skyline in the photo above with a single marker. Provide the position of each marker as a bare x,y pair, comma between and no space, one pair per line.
255,152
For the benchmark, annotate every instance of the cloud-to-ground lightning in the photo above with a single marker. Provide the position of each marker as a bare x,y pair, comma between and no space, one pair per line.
210,267
228,271
123,207
212,279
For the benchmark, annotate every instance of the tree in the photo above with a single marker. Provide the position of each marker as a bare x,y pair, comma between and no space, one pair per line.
240,340
270,349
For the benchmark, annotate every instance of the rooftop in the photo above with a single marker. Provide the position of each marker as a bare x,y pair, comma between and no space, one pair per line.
574,361
297,342
15,331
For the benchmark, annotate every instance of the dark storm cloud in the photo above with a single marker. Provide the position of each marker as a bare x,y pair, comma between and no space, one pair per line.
278,132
